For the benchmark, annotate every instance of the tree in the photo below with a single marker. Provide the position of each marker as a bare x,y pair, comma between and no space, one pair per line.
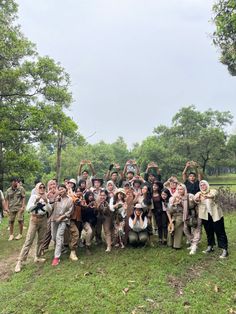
34,91
224,36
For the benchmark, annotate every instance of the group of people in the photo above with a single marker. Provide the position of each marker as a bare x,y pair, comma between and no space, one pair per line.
125,207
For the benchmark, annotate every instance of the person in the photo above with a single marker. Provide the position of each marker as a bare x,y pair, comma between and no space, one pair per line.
130,201
75,226
138,233
145,199
104,216
117,206
165,198
52,194
178,204
115,175
89,219
96,187
84,174
212,218
38,206
15,206
192,179
152,173
2,205
62,209
111,188
33,191
160,215
171,184
130,170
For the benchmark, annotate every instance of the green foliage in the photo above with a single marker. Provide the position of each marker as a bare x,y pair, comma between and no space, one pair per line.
34,90
225,34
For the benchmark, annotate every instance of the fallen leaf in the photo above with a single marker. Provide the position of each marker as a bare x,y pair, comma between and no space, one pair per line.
216,289
87,273
125,290
150,300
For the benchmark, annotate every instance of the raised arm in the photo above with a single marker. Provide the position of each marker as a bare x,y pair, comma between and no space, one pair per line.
91,168
184,173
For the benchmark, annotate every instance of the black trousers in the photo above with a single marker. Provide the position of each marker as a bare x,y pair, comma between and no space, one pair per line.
217,228
162,223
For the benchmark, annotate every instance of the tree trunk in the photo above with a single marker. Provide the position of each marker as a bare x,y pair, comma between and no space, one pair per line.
1,166
59,150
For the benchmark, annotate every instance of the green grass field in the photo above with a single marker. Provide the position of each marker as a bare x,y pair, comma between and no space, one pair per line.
225,180
143,280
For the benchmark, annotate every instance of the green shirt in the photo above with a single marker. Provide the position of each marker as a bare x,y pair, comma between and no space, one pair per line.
14,198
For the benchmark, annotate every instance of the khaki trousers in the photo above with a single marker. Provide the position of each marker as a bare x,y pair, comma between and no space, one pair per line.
87,233
74,235
37,225
193,234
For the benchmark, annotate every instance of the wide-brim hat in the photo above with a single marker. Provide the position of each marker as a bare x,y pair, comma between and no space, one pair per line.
72,181
97,179
120,190
138,206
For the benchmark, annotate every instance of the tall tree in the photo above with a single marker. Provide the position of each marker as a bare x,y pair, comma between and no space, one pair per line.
33,90
224,36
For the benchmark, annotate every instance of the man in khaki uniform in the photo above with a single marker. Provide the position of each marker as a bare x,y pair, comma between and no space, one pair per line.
15,206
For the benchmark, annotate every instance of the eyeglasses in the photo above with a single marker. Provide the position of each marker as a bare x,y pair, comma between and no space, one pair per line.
42,187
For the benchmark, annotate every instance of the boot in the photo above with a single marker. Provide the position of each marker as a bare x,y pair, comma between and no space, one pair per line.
73,256
224,253
209,249
18,267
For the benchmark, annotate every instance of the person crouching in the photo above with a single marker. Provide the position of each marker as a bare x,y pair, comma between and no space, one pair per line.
138,225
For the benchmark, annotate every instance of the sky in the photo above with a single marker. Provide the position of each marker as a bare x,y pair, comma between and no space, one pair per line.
133,63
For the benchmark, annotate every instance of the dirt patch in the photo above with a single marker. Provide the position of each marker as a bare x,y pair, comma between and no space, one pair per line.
191,273
7,266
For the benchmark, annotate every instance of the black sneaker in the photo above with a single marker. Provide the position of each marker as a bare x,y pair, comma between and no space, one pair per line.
209,249
224,254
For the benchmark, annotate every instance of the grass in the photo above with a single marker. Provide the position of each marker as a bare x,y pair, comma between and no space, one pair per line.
143,280
225,180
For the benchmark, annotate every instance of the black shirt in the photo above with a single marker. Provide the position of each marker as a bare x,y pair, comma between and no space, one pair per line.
192,188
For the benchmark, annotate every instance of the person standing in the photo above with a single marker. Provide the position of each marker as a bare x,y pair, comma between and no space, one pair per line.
2,205
192,179
15,206
62,209
212,218
38,205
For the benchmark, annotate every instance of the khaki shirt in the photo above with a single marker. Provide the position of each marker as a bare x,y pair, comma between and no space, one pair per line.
209,205
15,198
62,207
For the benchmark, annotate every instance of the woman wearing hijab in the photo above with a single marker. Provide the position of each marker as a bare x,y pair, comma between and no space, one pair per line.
212,218
178,210
38,205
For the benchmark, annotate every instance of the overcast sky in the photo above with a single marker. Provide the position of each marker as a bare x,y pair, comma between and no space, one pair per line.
133,63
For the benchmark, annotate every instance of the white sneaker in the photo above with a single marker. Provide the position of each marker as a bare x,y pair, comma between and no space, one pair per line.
73,256
193,250
39,260
18,267
11,237
18,237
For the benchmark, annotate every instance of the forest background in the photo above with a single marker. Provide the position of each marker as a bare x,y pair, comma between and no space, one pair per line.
39,140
